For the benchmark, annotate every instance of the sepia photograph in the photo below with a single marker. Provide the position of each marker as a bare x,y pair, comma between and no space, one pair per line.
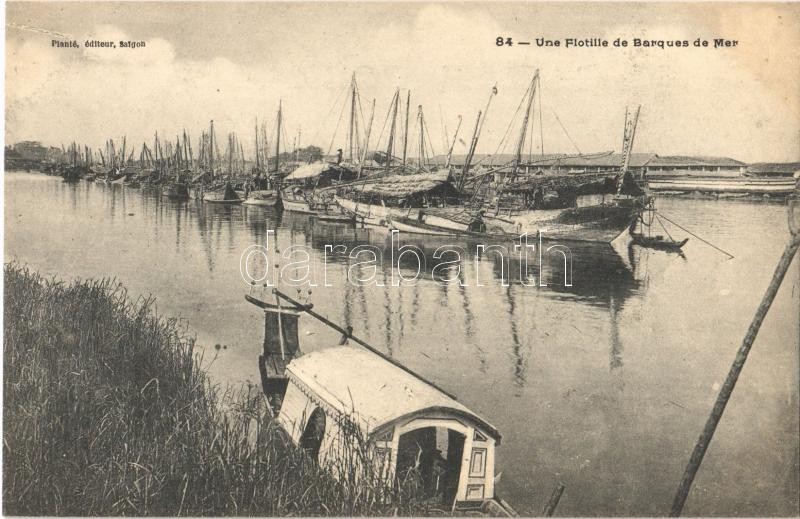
350,258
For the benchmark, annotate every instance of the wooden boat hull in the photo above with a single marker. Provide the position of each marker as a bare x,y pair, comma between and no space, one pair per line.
297,206
335,218
745,185
371,214
406,225
229,202
175,192
658,242
218,197
602,223
262,198
444,222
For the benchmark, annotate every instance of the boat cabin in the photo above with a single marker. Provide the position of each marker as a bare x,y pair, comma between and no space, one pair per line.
408,424
428,189
320,174
344,397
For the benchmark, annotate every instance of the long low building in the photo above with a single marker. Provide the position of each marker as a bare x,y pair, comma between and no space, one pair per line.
773,169
642,163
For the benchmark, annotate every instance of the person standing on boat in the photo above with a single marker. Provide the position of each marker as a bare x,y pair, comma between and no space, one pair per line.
338,156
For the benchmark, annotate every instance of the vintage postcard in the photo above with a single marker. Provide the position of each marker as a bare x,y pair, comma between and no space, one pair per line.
401,258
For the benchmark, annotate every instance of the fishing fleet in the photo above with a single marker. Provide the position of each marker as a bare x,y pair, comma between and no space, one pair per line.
394,182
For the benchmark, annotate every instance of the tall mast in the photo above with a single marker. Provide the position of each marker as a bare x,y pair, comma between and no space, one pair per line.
230,154
258,161
352,114
521,141
405,139
278,138
627,144
186,157
421,137
450,152
474,143
390,147
366,141
211,147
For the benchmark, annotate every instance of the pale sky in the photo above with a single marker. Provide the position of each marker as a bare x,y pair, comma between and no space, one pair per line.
232,62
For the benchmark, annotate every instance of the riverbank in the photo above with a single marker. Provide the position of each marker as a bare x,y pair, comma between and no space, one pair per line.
108,411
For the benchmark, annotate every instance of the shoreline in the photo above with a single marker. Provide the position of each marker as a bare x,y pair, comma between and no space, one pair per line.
109,412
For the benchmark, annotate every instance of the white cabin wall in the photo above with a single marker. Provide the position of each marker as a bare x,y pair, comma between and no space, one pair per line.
295,410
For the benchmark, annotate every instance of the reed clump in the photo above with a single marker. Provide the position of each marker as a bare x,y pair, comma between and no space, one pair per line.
107,411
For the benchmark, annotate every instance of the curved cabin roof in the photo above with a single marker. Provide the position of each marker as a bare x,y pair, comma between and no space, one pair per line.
314,169
375,393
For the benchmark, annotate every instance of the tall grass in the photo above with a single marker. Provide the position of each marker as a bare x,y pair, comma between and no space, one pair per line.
108,412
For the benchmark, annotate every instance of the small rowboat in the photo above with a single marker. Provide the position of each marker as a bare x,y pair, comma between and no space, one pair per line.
226,195
264,198
658,242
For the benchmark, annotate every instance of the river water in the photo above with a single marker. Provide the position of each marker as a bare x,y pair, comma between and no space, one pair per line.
603,385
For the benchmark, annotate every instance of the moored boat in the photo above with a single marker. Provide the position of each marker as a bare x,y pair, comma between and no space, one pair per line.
224,194
781,186
602,223
547,203
304,188
263,198
658,242
355,410
375,200
176,191
261,188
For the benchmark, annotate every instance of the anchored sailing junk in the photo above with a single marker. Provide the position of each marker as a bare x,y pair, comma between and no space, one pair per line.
267,266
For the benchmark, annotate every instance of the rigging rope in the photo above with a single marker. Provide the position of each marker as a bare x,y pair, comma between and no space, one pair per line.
334,105
508,130
430,142
566,133
696,236
665,229
385,122
336,130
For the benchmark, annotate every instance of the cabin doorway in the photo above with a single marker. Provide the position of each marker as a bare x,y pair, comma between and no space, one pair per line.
429,459
311,440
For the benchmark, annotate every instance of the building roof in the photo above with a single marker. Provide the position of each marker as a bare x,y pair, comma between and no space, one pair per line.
373,392
604,159
775,168
681,160
599,160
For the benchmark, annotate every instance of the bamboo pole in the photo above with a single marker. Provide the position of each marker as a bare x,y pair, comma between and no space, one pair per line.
552,503
741,356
